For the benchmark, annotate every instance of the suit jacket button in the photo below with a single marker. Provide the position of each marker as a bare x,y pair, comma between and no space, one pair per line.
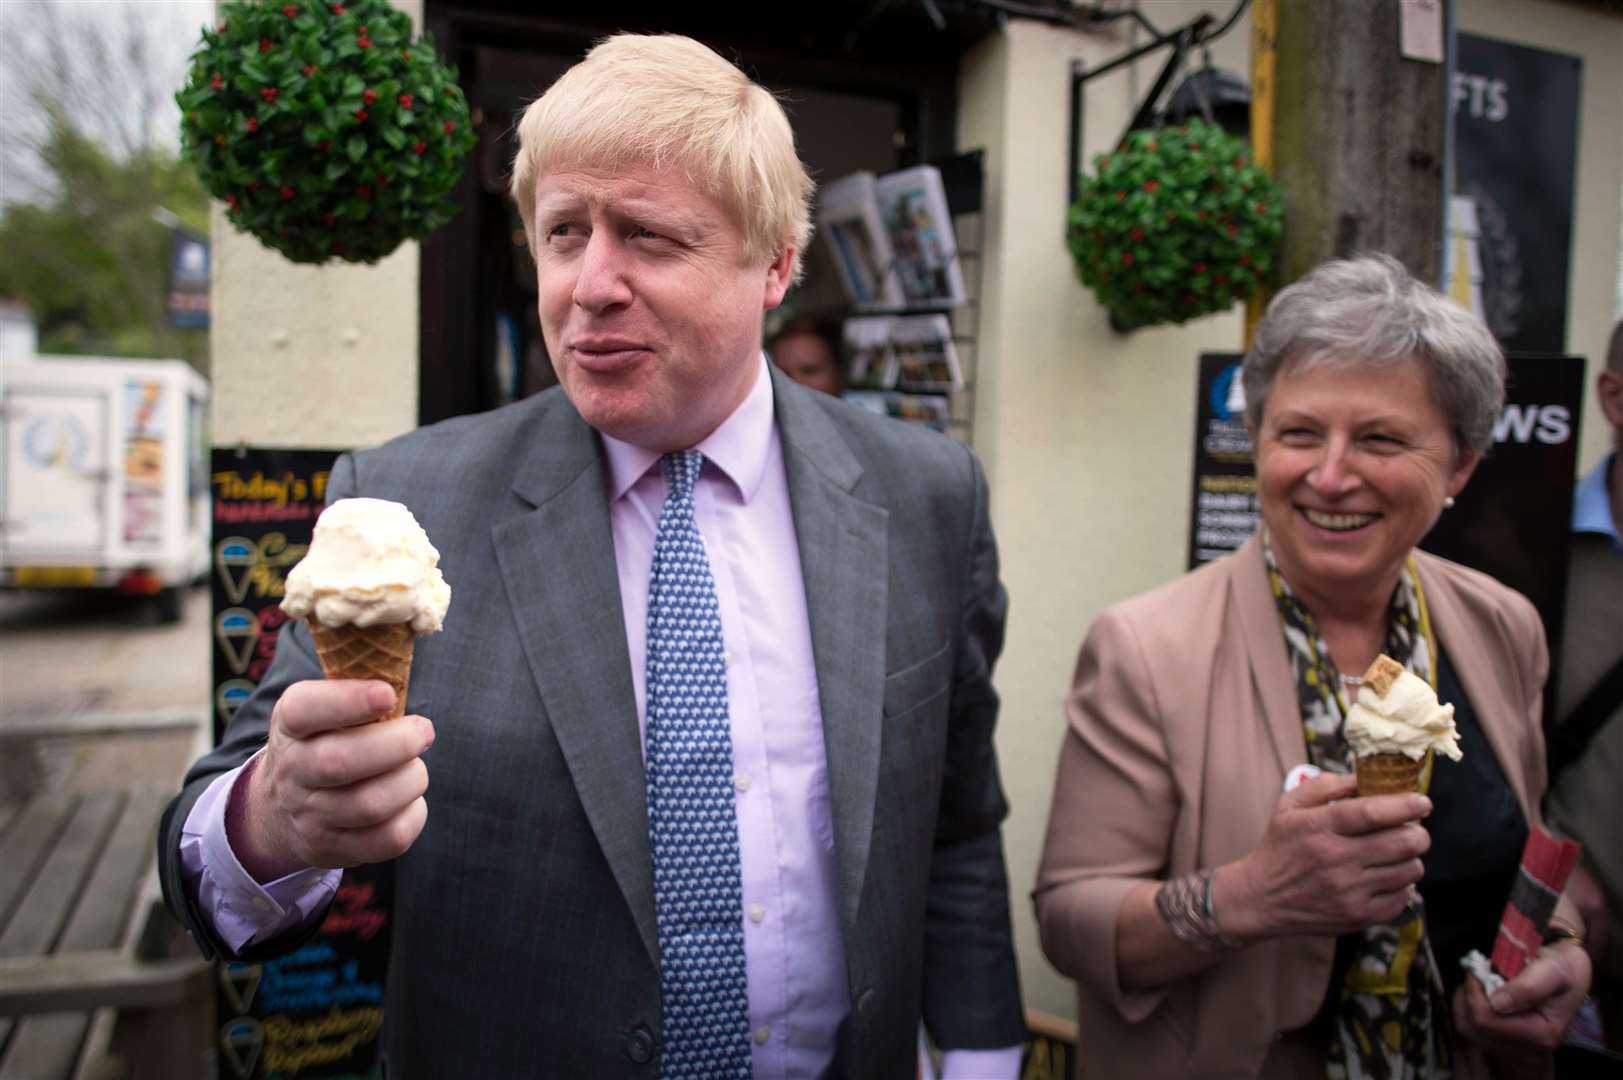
640,1045
865,999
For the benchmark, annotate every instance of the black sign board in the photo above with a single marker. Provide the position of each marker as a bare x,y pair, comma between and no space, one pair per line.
317,1012
1512,521
1516,150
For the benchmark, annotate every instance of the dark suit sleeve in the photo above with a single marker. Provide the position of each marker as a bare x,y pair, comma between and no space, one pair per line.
295,661
971,986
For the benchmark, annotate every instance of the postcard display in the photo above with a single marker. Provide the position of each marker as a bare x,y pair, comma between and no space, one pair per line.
316,1012
900,242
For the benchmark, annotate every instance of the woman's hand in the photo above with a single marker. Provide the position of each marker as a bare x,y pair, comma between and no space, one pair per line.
1523,1022
1327,865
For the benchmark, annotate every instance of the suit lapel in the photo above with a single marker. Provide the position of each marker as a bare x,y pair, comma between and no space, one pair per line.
557,563
843,560
1253,601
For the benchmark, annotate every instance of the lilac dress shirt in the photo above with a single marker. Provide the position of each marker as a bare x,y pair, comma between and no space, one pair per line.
794,957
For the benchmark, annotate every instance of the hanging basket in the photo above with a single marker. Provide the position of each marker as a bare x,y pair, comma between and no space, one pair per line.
324,128
1176,224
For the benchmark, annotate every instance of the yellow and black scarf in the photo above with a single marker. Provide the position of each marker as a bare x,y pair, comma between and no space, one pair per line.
1392,1019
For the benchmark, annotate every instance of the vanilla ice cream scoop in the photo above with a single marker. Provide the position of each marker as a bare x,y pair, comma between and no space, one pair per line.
369,564
1398,713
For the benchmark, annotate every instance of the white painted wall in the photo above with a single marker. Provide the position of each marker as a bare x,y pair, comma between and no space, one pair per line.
1086,434
305,356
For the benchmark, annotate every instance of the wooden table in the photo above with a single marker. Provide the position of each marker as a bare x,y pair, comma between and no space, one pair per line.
90,985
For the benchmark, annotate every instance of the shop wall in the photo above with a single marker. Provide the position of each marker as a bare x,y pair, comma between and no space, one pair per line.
1085,433
1597,200
307,356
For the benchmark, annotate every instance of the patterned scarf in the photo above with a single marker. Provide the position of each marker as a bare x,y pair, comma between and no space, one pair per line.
1392,1018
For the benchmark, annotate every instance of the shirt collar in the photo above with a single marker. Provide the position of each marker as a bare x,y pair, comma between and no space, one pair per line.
1592,503
738,447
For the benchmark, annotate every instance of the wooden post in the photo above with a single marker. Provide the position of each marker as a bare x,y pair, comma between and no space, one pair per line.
1358,137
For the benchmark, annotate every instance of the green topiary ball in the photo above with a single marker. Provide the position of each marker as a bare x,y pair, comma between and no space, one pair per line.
1176,224
327,131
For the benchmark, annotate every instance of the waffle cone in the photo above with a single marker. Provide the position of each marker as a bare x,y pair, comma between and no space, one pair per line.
367,652
1390,774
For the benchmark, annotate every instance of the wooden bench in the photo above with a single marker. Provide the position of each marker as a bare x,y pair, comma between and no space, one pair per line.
92,984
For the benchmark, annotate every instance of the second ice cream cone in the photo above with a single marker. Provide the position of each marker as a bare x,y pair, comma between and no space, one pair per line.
1390,774
380,652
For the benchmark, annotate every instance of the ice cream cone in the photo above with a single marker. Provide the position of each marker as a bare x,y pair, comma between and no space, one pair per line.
380,652
1390,774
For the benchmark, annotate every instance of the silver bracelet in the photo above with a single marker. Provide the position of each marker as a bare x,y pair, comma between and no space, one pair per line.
1185,903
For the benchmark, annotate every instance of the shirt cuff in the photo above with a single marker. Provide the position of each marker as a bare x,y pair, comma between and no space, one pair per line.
981,1064
240,909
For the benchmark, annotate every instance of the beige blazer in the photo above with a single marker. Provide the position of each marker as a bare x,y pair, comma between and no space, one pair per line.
1183,722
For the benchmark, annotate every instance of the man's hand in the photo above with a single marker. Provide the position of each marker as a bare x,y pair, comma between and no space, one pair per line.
333,788
1328,864
1524,1021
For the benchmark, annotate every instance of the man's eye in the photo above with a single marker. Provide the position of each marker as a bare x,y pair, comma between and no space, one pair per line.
1297,436
643,233
1383,441
562,229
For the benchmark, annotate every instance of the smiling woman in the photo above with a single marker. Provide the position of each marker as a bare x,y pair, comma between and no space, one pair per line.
1215,926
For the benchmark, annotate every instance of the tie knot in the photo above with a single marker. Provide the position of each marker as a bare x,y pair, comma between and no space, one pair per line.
681,472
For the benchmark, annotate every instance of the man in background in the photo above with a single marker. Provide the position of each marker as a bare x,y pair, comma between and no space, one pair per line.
807,350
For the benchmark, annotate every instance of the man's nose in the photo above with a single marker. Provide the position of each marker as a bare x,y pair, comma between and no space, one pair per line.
601,283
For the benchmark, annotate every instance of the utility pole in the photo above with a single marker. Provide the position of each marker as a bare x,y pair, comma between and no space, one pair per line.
1358,136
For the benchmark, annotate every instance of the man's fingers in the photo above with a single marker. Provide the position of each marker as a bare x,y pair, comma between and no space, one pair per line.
1356,817
317,705
376,843
371,802
341,758
1318,791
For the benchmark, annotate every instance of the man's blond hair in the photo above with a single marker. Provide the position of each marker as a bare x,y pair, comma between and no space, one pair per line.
668,101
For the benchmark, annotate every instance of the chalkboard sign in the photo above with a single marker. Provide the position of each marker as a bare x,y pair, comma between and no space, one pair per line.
315,1013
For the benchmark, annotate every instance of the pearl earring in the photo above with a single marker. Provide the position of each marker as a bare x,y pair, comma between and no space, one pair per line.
1448,502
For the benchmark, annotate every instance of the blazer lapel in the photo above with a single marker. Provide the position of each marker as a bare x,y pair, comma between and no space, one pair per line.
1270,670
557,563
843,561
1496,703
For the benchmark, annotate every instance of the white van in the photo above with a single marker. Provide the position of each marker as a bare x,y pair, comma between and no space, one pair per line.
104,475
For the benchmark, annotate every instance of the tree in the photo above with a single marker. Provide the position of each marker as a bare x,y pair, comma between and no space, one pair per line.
90,160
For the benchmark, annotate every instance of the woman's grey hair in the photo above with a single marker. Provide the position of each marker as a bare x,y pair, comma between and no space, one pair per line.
1369,311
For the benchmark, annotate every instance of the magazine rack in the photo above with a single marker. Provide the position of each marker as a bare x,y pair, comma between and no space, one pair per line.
962,186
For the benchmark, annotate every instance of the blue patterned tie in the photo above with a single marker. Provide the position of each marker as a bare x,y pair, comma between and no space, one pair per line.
692,820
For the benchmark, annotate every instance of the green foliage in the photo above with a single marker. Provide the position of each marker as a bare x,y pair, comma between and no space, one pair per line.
92,264
1177,223
326,130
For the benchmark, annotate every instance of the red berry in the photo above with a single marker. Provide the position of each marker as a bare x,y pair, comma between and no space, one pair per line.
253,123
1172,215
1194,146
360,31
1152,147
1262,208
1138,234
309,70
420,148
323,146
364,191
1245,260
405,101
291,11
405,54
268,93
1234,230
338,9
253,185
286,192
1120,195
219,27
1200,268
1104,163
383,180
1221,279
360,116
369,96
365,43
450,126
329,217
1200,215
1150,186
231,201
216,83
1127,259
264,44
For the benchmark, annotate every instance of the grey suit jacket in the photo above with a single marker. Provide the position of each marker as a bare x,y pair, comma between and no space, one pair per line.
524,934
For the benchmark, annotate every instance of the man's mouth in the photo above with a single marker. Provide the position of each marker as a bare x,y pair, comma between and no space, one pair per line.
1337,522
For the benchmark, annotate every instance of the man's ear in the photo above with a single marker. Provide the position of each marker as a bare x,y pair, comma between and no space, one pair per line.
779,274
